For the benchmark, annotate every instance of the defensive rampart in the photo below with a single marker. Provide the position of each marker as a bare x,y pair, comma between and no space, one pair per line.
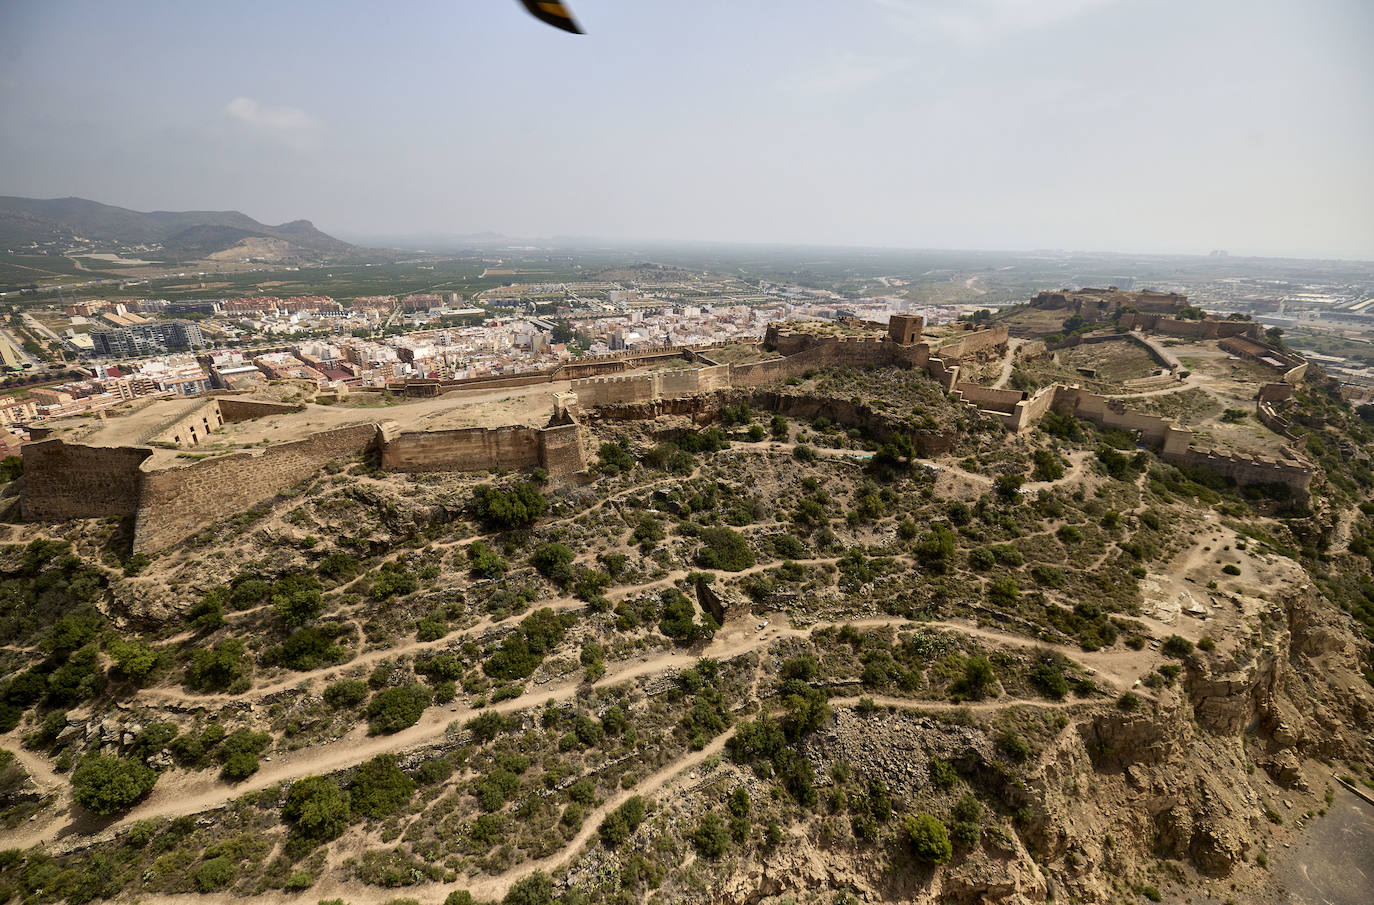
63,481
175,503
1173,441
556,449
972,344
1253,470
1293,367
1159,432
1207,328
705,409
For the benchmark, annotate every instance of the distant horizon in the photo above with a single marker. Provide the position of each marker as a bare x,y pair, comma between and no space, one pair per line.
366,240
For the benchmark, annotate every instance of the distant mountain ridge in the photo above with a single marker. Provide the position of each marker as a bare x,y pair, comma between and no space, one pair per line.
185,235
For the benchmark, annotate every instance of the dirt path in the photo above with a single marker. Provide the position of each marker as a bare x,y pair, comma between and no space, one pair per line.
1008,363
1340,537
914,704
178,697
44,777
186,794
189,794
489,888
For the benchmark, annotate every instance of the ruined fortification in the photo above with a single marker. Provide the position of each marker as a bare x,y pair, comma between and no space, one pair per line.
170,500
1105,304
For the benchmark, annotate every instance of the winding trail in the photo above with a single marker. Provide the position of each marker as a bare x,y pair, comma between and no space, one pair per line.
186,794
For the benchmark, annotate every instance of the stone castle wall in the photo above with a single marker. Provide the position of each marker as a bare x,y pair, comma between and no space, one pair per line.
561,450
1252,469
471,449
1173,441
1208,328
175,503
597,391
973,343
1111,413
191,427
236,410
987,398
705,409
63,481
557,449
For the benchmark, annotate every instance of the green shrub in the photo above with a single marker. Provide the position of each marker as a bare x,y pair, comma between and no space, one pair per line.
534,889
928,839
979,678
215,874
224,667
133,660
345,693
394,709
711,838
614,458
1010,743
394,580
484,562
724,549
338,566
1047,675
238,753
622,822
106,785
316,809
297,598
943,774
379,787
506,510
554,562
1176,646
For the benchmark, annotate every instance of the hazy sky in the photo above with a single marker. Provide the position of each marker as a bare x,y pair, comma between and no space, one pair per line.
1129,125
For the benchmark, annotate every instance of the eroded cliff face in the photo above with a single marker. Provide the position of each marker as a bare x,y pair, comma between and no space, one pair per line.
1199,777
1195,781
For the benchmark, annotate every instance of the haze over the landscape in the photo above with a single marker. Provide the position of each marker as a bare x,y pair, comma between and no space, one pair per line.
1167,126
